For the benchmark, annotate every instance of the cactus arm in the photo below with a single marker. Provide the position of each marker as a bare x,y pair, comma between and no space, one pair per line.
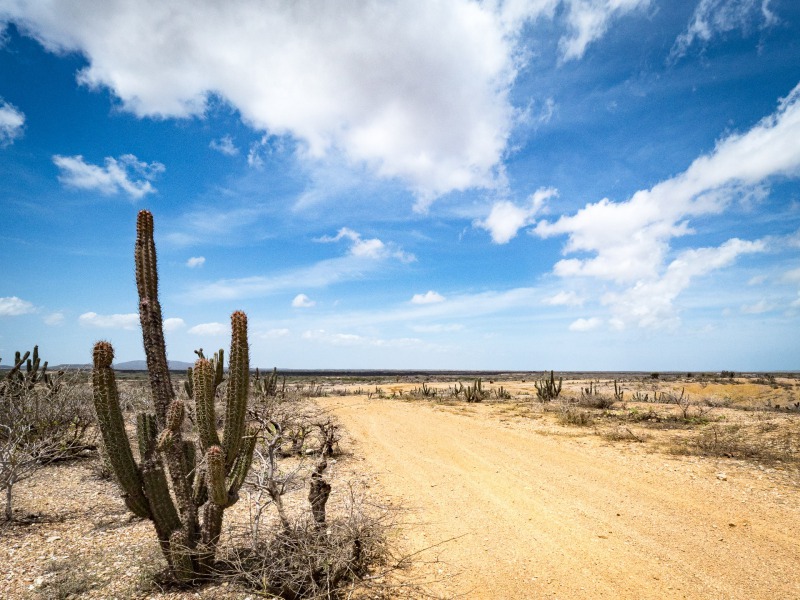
204,392
215,459
150,316
238,388
112,428
241,466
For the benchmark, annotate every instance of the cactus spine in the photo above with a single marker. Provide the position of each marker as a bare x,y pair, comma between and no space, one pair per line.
202,480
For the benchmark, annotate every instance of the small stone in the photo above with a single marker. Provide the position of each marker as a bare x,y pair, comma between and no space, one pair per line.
722,477
53,538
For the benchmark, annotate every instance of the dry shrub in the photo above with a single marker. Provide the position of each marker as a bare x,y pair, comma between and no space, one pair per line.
349,554
760,443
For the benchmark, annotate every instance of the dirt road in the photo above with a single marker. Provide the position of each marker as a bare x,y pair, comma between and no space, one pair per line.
542,511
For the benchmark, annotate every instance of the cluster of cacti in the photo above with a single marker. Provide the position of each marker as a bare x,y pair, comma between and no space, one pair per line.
501,393
183,486
471,393
590,390
548,389
34,372
425,391
267,386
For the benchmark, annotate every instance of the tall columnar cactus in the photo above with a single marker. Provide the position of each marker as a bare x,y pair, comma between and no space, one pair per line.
183,486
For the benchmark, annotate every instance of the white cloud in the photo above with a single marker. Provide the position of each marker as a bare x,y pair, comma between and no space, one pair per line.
416,90
757,308
371,249
429,297
128,321
302,301
628,242
56,318
564,299
758,279
211,329
649,303
224,145
196,261
11,306
125,174
174,324
506,218
589,20
585,324
714,17
12,123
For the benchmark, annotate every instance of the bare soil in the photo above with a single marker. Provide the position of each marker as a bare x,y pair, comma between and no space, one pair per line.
516,506
505,499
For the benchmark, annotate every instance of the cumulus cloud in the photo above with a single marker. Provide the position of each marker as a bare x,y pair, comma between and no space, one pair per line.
302,301
370,249
352,339
628,242
174,324
272,334
585,324
212,329
127,321
712,18
757,308
224,145
506,218
11,306
196,261
124,174
12,123
429,297
416,90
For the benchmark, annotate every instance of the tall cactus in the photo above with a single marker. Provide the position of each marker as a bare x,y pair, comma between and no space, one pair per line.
203,476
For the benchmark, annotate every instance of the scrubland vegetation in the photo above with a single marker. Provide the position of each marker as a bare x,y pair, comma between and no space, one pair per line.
239,480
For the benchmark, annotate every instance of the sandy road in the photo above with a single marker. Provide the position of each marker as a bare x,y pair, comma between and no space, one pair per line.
540,515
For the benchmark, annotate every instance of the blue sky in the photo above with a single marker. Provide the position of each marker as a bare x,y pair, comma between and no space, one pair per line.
528,184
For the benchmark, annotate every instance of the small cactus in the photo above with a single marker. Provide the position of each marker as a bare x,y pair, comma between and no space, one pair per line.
547,389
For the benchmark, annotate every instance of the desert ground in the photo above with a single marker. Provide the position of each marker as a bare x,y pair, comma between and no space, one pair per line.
692,493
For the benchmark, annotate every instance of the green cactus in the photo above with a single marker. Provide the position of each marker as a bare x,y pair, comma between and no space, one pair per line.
548,389
175,480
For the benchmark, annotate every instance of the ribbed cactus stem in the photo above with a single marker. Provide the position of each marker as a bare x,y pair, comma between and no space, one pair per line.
181,556
217,492
165,517
112,429
150,316
175,414
204,389
238,388
146,434
241,465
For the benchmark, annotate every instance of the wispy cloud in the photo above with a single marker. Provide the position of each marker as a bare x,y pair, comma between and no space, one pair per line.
128,321
124,174
12,306
429,297
585,324
56,318
564,299
589,20
302,301
196,261
12,123
224,145
372,248
712,18
210,329
628,242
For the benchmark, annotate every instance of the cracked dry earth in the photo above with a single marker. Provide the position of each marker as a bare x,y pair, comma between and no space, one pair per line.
522,508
